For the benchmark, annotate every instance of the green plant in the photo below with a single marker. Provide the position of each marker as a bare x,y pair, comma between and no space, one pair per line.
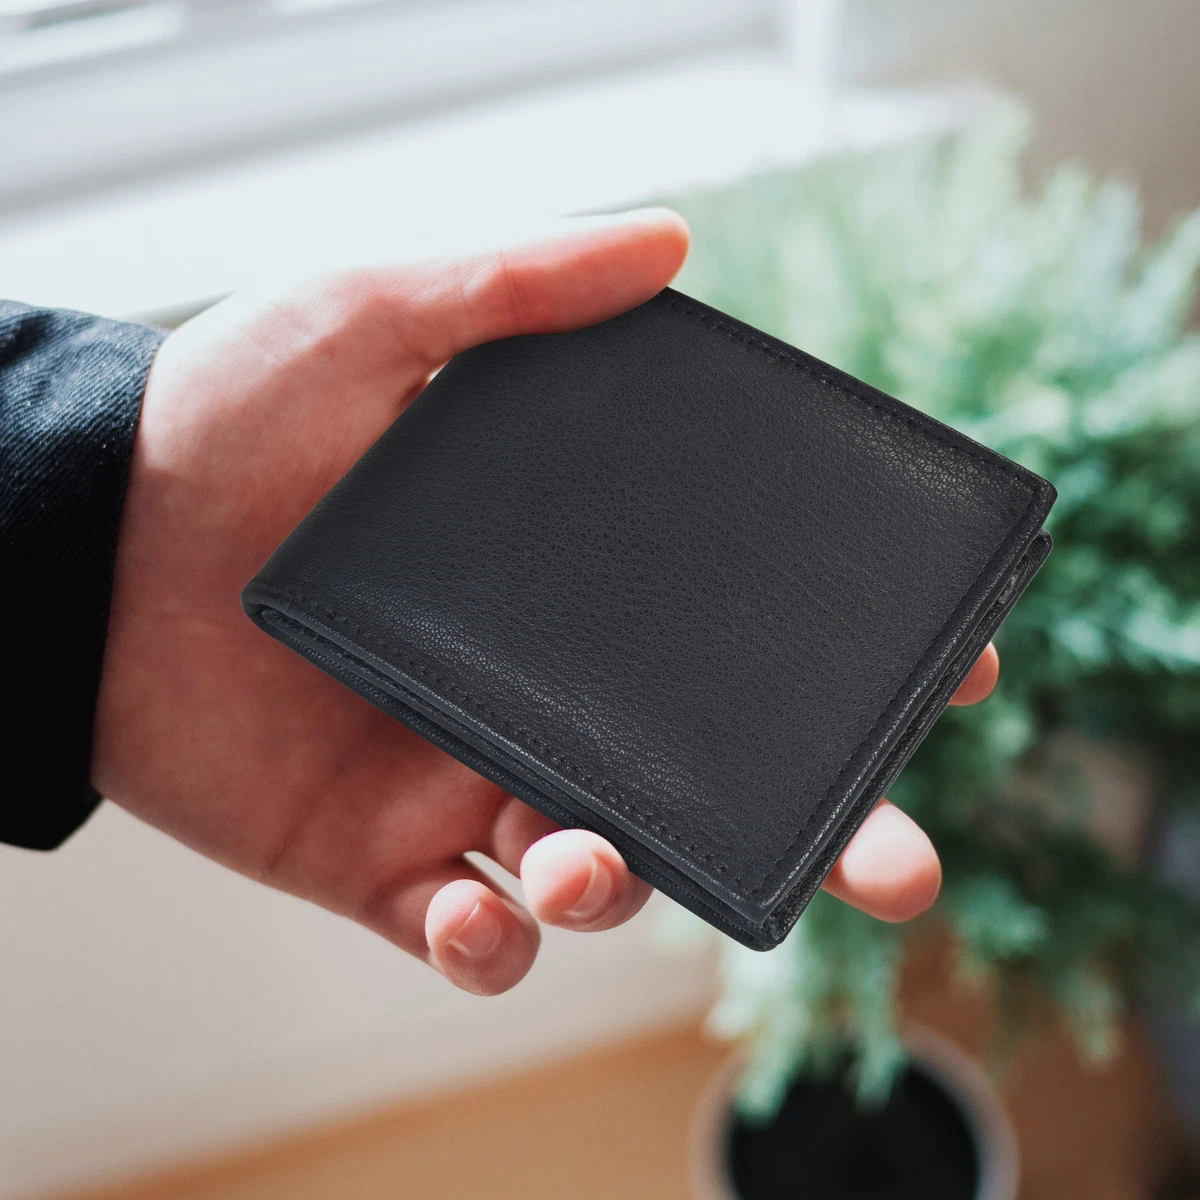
1040,325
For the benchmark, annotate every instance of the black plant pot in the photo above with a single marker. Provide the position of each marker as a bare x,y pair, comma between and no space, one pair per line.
943,1135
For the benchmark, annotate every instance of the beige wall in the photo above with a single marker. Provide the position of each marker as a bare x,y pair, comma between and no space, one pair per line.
1114,83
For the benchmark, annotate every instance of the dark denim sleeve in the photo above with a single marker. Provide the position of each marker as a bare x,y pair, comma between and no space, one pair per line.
70,393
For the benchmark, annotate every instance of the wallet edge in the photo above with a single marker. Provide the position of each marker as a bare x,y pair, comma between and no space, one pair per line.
760,916
285,618
336,662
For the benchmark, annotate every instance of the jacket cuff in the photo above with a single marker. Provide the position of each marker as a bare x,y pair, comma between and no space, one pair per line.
70,395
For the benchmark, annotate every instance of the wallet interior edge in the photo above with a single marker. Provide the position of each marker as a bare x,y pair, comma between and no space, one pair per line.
376,688
787,911
302,633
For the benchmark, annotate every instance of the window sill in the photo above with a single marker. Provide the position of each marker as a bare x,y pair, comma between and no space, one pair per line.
440,184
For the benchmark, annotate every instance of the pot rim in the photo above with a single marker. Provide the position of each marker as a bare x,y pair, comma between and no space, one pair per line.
962,1078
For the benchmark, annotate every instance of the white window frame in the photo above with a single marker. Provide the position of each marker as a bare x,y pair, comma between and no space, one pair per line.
215,78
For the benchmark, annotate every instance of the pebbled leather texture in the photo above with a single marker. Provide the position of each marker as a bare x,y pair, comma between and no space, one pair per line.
670,579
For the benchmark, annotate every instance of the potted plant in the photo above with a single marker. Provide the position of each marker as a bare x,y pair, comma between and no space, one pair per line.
1040,324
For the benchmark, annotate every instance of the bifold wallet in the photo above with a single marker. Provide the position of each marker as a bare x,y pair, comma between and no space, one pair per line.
669,579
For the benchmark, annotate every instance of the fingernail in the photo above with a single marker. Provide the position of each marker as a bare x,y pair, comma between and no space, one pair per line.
595,895
478,935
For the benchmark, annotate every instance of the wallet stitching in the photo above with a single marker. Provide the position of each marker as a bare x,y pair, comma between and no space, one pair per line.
532,740
776,355
910,418
653,873
521,735
527,737
800,864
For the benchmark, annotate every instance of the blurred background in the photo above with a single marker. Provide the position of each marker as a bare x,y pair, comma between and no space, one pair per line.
913,189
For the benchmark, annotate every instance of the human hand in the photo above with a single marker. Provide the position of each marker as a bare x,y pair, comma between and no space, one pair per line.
215,733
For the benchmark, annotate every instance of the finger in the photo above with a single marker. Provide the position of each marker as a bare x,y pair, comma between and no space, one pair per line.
459,921
577,880
515,829
890,868
982,679
591,268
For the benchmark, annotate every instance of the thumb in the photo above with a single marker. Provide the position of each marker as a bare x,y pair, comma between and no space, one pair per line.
588,269
371,336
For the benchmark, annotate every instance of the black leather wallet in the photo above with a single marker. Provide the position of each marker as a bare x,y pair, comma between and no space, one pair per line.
669,579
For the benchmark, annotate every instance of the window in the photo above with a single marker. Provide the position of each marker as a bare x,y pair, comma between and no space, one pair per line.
96,91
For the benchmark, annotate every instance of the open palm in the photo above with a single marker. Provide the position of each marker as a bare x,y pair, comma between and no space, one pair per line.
218,735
